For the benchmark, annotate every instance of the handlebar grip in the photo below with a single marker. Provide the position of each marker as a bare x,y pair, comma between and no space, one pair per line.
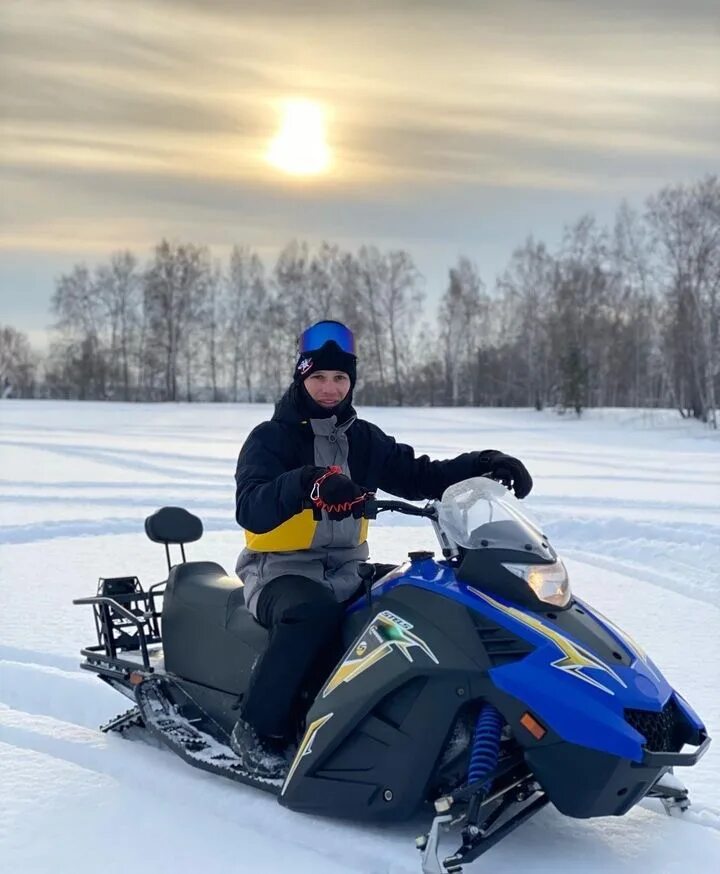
370,508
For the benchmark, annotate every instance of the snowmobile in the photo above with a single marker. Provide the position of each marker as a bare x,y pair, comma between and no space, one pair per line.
476,686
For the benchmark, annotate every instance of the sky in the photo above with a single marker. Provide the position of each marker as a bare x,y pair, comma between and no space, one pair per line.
455,127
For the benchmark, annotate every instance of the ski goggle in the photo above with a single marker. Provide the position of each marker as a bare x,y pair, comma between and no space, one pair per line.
316,336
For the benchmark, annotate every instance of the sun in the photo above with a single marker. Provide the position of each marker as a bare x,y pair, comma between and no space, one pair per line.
299,147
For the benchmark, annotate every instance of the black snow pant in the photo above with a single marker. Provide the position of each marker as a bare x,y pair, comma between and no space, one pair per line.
304,621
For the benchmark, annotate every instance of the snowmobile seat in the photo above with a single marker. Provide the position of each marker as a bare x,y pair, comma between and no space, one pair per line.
209,636
206,586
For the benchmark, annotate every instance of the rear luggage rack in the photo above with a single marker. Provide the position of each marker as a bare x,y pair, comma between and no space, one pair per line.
126,620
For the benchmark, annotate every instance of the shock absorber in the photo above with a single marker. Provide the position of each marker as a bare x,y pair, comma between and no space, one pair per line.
486,744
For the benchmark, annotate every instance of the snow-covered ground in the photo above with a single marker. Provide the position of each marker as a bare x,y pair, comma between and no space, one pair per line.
631,498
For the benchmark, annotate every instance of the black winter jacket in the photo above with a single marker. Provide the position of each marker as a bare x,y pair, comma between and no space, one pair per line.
269,474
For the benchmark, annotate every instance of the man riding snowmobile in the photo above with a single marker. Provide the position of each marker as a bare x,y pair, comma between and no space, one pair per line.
302,480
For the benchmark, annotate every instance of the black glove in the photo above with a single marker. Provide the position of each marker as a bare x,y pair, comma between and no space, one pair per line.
334,492
509,471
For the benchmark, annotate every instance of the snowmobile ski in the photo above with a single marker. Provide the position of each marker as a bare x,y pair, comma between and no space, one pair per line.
509,809
196,746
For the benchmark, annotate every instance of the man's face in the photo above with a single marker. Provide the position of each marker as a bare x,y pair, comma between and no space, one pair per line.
328,387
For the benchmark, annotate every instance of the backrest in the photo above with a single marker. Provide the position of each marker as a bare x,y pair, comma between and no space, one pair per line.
173,525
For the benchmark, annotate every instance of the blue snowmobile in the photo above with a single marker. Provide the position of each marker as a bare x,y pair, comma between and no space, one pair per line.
476,686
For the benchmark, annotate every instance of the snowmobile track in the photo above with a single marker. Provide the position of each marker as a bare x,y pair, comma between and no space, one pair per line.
196,747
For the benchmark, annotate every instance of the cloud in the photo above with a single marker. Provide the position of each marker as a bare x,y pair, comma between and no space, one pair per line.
124,121
186,83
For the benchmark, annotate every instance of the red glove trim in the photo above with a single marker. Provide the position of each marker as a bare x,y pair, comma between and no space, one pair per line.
341,508
315,491
345,506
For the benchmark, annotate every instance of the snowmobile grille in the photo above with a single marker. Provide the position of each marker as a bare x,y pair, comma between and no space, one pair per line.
663,731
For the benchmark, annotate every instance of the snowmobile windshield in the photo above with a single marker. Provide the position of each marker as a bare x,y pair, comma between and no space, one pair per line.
481,513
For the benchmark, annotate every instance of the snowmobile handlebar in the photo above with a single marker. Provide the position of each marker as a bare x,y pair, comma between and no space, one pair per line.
370,506
373,506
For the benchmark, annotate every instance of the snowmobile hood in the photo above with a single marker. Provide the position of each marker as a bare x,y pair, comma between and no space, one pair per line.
573,682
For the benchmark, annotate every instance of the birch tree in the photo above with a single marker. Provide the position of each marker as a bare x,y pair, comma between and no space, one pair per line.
174,286
18,364
247,328
685,223
460,312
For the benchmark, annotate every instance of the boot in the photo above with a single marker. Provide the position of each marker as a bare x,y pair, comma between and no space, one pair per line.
256,753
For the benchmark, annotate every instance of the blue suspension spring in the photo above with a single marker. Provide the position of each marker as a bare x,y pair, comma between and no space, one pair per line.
486,744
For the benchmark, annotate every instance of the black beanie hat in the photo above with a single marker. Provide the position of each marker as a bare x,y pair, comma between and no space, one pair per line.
329,357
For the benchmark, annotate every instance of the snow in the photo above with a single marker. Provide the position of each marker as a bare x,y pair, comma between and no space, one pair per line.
631,499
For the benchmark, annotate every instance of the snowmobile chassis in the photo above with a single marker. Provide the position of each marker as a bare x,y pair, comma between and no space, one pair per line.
169,705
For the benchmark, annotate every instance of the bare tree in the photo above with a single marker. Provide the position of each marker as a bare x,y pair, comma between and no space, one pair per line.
400,299
579,295
527,287
291,280
460,312
629,315
212,315
370,282
118,287
18,364
247,328
685,222
79,309
175,285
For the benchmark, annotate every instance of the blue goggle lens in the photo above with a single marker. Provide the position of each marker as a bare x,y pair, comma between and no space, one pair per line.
316,336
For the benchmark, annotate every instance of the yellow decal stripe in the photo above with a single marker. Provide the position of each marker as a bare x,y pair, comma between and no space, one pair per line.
351,668
575,657
305,748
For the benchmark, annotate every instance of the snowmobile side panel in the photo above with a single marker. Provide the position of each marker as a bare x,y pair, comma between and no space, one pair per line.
378,727
609,704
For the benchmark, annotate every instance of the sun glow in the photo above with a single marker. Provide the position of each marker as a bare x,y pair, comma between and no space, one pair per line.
299,147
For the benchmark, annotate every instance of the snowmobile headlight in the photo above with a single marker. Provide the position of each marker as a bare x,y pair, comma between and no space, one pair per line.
549,581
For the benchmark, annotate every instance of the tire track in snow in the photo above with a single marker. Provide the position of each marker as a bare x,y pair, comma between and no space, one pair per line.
70,696
678,579
594,530
136,460
683,557
40,659
108,485
697,814
36,532
158,773
51,711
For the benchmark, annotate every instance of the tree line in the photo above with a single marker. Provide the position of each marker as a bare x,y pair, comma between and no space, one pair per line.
623,315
